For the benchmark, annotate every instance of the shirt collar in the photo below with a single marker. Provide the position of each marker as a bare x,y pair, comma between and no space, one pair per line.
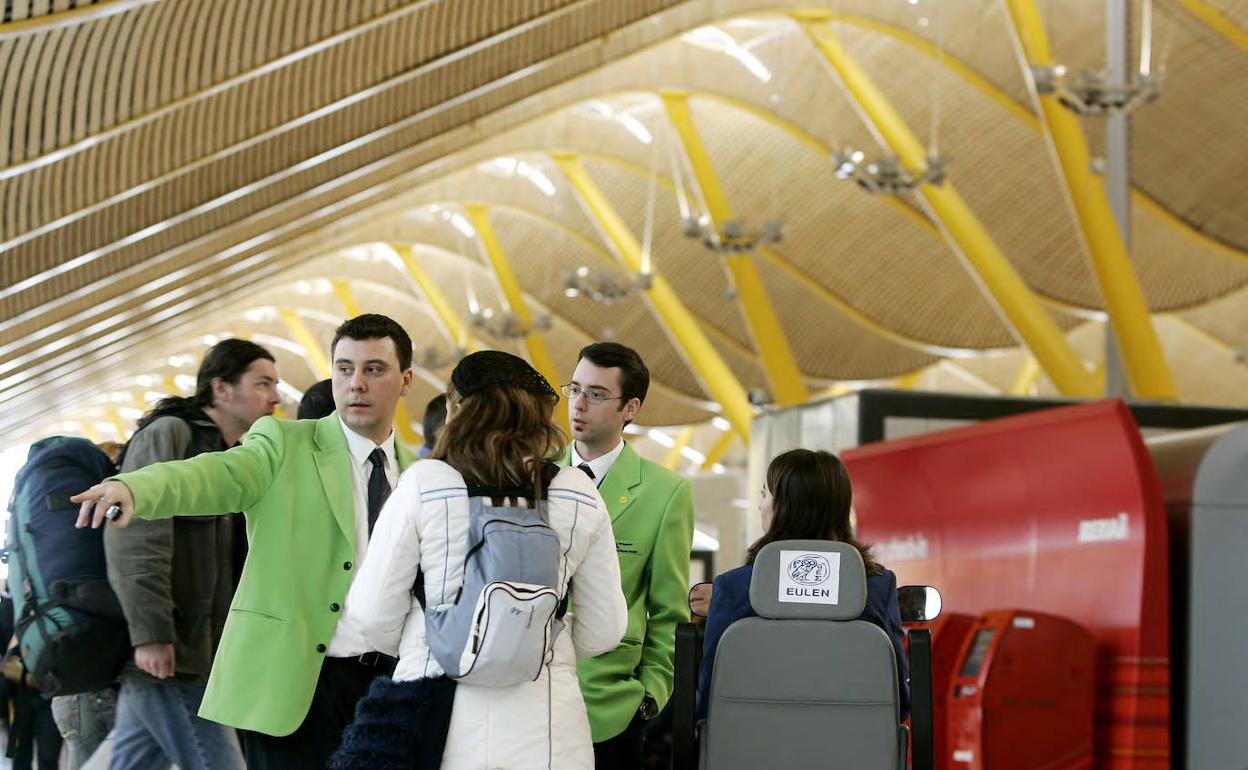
600,465
360,447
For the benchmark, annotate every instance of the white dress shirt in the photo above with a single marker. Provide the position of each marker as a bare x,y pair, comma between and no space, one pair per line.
600,465
348,639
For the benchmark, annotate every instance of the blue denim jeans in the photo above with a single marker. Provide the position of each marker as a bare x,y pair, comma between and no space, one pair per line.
157,724
84,721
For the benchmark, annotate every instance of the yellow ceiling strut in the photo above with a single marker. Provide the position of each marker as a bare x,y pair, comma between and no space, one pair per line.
672,458
89,430
769,341
1017,302
911,380
1025,380
171,385
311,348
479,216
458,331
1128,310
402,417
718,449
343,291
706,362
114,416
1217,21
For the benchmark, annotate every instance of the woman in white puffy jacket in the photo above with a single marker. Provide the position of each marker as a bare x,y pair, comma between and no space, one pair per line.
498,421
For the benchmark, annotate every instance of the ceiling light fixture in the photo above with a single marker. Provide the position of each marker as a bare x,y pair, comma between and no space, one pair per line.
433,359
733,237
602,286
507,325
886,175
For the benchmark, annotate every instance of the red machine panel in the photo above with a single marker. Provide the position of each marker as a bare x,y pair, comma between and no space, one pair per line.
949,631
1022,695
1056,511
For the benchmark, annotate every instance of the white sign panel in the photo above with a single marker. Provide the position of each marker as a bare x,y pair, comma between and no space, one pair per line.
809,577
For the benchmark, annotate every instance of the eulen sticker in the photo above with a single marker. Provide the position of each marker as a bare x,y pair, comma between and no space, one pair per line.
810,577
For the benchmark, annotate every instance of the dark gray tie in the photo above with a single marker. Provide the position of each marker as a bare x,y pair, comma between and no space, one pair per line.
378,486
588,470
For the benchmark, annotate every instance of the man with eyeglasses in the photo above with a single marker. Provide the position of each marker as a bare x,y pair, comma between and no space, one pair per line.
652,516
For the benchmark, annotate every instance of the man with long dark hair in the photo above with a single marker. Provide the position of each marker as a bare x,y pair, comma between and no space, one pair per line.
652,517
292,662
174,577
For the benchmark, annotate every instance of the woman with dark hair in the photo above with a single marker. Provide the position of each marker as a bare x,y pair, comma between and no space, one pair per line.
498,436
807,496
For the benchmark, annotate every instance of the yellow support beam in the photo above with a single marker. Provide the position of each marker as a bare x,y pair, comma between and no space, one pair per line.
403,423
718,449
458,331
171,385
911,381
89,431
834,390
114,416
139,402
479,216
672,458
342,289
1129,314
311,348
998,276
1025,380
1215,20
768,335
715,374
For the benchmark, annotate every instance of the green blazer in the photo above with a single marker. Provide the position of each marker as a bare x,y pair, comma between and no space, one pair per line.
292,479
652,515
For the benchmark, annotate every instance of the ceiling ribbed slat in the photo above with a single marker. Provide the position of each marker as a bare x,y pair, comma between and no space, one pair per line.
176,158
207,181
201,182
588,28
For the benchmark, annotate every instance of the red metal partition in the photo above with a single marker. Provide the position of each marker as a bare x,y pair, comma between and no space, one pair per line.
1056,511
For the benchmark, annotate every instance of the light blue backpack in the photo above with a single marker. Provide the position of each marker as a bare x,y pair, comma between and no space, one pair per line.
502,626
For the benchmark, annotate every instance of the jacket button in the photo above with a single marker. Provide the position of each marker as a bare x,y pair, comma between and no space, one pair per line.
320,648
346,565
334,607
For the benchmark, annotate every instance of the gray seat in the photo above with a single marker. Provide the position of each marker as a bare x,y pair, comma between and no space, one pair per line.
805,684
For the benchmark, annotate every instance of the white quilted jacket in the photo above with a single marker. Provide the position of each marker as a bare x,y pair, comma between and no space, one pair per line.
424,526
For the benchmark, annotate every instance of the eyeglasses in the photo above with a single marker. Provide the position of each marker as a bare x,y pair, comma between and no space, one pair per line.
572,391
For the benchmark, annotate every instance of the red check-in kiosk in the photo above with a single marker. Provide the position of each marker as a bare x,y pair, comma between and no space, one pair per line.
1023,694
949,631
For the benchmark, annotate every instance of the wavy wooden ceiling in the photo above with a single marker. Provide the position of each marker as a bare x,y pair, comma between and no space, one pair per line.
169,167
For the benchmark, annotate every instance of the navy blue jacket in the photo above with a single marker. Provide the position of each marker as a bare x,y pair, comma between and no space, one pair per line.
730,601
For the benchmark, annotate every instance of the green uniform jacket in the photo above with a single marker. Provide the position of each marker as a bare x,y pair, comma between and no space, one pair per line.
292,479
652,515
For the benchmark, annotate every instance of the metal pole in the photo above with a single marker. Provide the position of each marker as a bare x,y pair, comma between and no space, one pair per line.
1117,161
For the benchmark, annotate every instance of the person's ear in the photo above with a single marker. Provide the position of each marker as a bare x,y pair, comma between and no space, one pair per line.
631,408
221,389
407,383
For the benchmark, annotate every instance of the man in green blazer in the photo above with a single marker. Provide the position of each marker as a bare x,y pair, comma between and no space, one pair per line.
652,516
291,665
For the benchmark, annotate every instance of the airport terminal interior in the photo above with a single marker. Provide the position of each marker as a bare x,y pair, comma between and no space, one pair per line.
991,253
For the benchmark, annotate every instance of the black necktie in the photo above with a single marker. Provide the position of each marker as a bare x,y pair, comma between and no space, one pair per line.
588,470
378,487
